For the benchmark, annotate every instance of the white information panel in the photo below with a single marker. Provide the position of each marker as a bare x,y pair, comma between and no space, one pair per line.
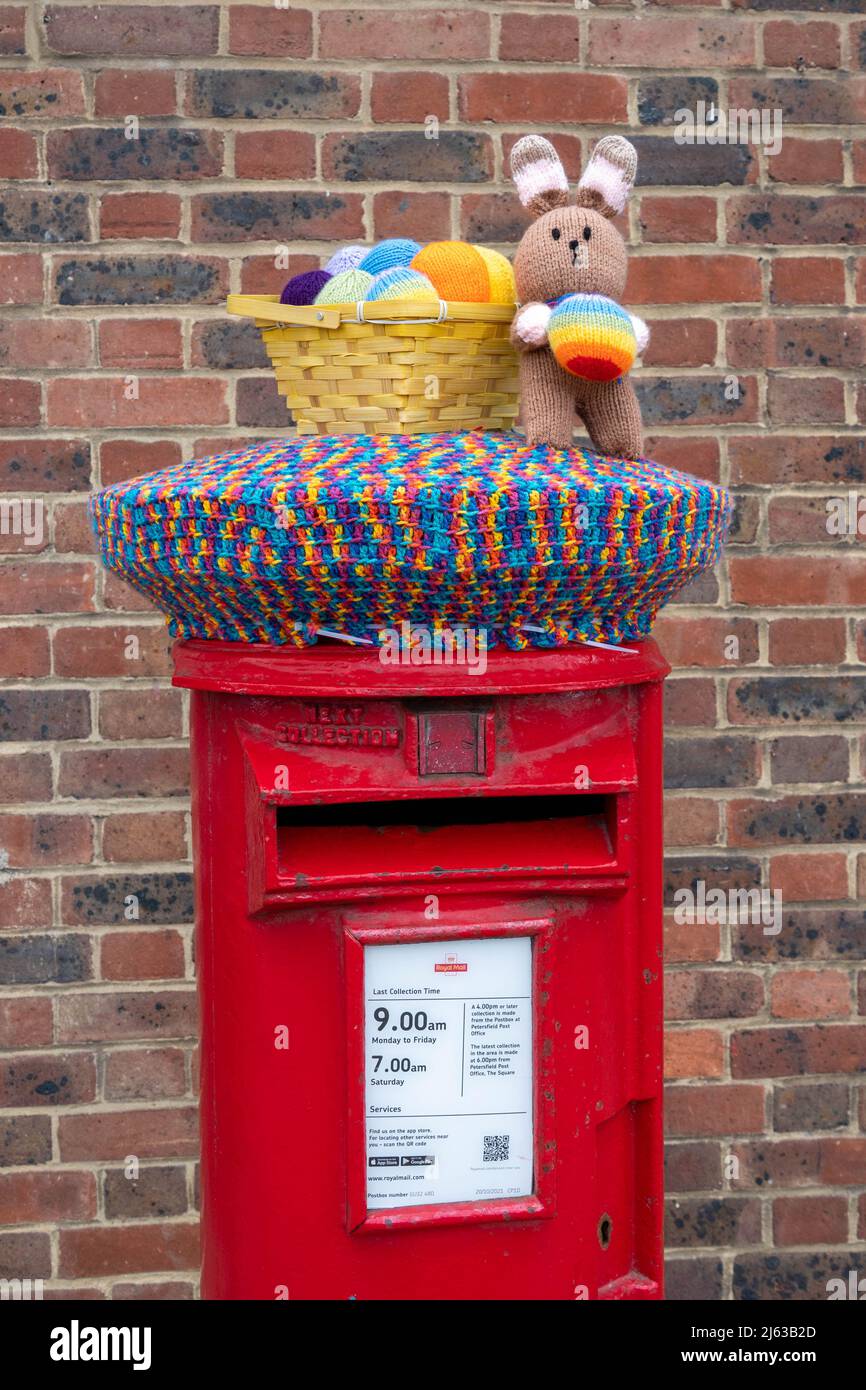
448,1067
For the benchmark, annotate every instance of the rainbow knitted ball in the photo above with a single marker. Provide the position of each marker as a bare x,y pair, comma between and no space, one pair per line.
500,273
303,288
592,337
347,258
402,283
346,288
457,270
388,254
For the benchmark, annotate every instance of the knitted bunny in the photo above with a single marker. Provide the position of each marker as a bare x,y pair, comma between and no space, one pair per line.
573,250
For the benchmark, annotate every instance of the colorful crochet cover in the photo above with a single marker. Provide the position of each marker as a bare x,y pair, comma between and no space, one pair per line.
359,533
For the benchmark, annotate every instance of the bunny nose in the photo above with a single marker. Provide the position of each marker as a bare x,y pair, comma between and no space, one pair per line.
578,252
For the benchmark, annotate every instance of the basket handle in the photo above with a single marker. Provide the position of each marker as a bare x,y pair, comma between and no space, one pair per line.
440,317
300,315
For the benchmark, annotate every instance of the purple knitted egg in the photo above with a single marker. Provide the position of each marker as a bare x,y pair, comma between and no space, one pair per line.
303,288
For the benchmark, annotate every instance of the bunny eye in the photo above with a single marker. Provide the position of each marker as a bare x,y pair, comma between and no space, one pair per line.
587,233
556,234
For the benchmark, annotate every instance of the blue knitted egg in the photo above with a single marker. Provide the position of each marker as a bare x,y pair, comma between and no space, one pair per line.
388,254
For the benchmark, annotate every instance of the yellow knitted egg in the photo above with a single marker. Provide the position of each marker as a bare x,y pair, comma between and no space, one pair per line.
501,275
457,269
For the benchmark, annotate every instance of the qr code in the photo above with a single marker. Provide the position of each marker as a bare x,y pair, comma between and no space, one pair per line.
496,1147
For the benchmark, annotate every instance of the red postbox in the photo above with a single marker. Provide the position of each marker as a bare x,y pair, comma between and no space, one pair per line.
429,959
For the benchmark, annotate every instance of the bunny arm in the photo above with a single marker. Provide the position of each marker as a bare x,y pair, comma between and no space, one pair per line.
641,332
529,327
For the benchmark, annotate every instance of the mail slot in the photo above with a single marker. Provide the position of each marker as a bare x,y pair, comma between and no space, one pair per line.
429,960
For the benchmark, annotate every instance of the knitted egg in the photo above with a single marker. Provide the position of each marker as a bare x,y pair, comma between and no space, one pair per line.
402,283
347,258
592,337
345,288
457,270
303,288
388,254
501,275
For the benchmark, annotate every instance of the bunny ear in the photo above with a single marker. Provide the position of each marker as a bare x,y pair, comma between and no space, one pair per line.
538,175
608,177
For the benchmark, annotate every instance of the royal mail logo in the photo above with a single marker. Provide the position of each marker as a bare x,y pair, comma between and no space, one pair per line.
450,965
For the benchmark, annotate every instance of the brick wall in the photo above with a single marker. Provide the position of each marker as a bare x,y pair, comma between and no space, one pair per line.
261,127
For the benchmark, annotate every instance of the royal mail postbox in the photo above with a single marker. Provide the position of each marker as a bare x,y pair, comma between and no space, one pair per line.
429,960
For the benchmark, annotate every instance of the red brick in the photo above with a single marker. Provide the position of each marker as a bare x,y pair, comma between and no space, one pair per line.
704,1110
144,955
533,38
115,1016
822,1049
808,581
48,1079
126,772
152,1073
169,1132
433,35
43,1197
140,714
44,840
171,1290
13,29
120,459
20,402
701,641
24,777
815,44
47,588
821,403
120,597
91,652
692,454
26,1022
807,161
807,280
810,994
774,219
24,652
693,1052
422,216
259,274
99,402
664,218
272,32
409,96
128,216
154,344
142,837
716,279
275,154
135,92
541,97
45,343
804,878
19,158
97,1251
691,941
72,530
668,42
25,902
680,342
135,31
794,460
691,821
810,1221
842,1162
20,278
36,94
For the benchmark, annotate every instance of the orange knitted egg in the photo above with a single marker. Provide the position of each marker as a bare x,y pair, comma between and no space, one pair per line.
456,269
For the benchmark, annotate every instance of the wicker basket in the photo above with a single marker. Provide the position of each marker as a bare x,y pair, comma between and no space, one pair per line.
388,367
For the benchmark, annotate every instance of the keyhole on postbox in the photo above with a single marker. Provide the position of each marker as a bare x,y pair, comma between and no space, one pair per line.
605,1228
